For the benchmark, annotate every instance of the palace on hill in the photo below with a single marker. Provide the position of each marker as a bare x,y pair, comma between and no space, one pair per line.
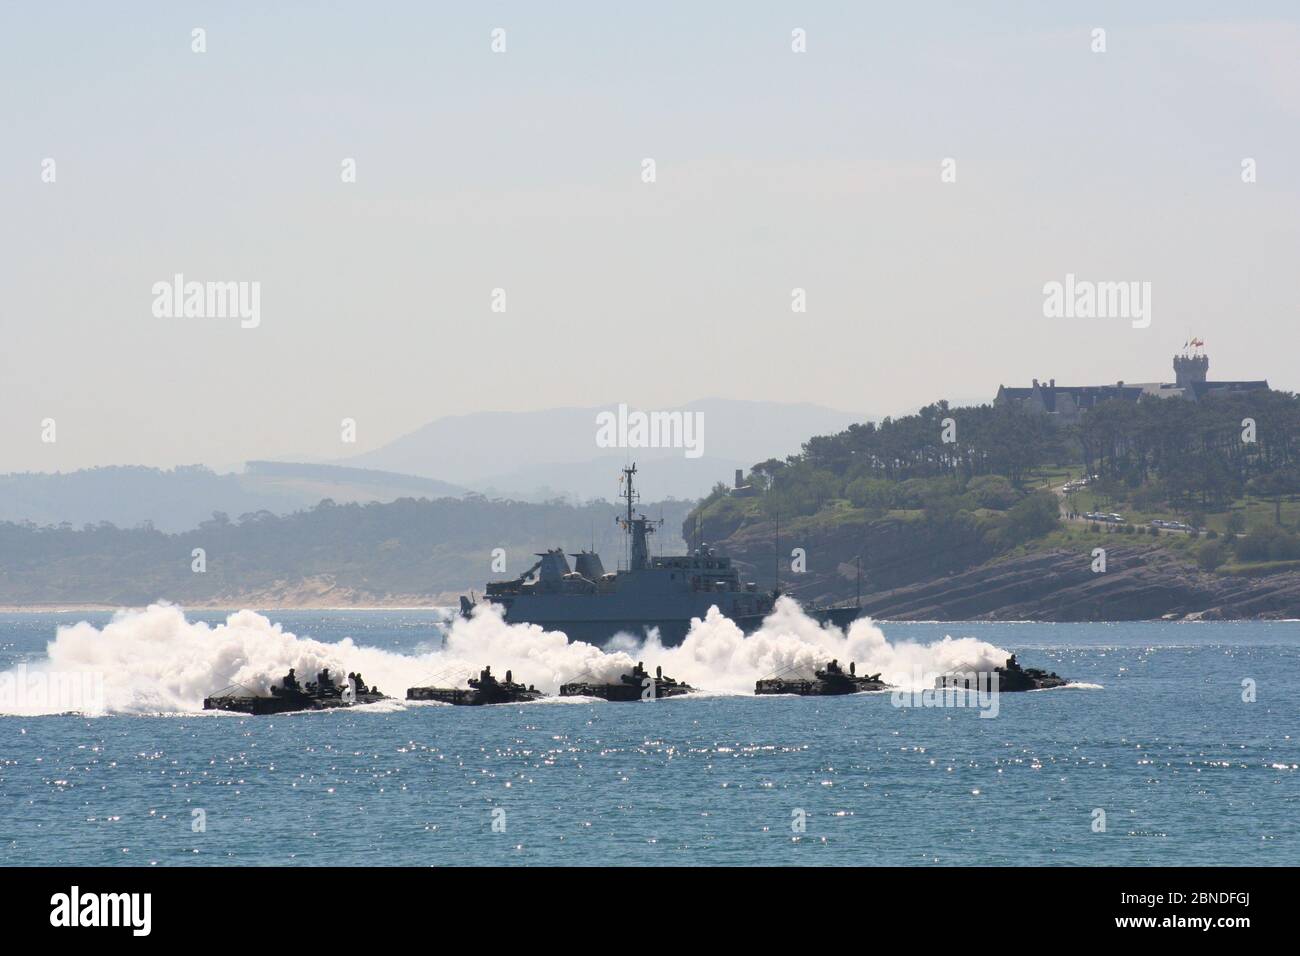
1067,403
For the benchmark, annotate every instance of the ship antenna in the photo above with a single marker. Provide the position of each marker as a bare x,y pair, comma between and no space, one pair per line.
630,494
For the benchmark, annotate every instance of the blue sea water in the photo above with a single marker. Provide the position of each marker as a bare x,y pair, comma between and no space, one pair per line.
1185,770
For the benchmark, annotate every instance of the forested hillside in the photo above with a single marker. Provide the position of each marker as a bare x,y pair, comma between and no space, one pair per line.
1183,453
413,550
945,489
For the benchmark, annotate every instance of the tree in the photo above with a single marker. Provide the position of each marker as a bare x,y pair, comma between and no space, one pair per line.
1035,516
1274,485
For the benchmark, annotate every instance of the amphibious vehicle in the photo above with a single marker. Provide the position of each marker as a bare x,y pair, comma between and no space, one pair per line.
638,685
828,681
1011,677
288,696
484,689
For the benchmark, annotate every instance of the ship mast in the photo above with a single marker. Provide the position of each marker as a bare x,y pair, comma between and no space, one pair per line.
628,493
638,526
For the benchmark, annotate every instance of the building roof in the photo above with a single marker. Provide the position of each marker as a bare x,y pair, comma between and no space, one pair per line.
1048,393
1201,389
1087,396
1083,396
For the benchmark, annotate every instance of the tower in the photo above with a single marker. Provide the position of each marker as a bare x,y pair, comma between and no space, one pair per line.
1190,368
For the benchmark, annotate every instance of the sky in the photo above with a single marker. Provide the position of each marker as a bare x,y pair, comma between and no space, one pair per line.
523,170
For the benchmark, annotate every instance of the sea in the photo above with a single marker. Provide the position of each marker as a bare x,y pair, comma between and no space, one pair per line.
1175,744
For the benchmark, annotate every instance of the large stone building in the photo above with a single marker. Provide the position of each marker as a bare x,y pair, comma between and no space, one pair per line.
1067,403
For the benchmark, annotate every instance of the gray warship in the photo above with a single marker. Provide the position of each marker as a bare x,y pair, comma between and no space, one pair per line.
588,603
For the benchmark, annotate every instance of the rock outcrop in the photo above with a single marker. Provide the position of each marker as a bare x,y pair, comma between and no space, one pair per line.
1060,585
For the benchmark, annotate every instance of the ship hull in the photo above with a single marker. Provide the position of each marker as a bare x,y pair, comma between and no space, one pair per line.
605,618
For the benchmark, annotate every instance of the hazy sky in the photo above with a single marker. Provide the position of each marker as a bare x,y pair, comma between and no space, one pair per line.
522,170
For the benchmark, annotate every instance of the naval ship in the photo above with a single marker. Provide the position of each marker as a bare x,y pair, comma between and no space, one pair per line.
588,603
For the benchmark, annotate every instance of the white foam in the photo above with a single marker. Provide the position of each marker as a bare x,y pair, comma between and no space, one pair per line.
155,661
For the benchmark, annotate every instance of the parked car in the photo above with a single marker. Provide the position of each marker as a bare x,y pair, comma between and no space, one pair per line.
1110,518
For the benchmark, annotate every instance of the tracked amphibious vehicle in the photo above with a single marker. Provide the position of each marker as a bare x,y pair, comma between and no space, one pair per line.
830,681
484,689
638,685
1011,677
289,696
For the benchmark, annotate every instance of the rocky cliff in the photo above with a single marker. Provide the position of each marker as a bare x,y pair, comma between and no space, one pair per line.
1138,584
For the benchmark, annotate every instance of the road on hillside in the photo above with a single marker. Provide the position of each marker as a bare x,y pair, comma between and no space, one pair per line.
1059,491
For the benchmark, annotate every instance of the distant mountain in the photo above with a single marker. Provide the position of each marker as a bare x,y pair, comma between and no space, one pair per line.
659,476
181,498
552,453
526,456
312,483
129,495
